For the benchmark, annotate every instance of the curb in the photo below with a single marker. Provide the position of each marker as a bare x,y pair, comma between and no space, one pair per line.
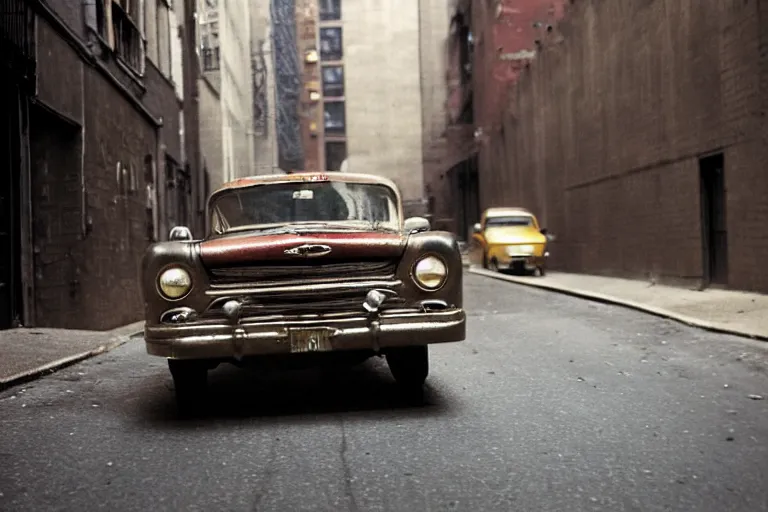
54,366
637,306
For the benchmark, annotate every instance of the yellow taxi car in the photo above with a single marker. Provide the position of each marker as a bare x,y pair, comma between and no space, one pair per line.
510,238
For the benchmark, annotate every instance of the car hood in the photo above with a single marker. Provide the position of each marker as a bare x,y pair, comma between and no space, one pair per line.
514,235
312,247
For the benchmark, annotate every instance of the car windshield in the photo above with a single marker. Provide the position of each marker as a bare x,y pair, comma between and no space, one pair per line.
342,205
509,221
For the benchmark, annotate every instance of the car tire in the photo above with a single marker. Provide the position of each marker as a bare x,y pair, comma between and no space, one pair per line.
190,382
410,368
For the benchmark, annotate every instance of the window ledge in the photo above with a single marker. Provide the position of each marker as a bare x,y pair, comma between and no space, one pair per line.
136,76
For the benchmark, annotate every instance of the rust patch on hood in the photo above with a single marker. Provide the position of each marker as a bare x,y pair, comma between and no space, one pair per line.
250,249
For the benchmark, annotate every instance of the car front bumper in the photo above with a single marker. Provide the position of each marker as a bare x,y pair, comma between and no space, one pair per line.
201,340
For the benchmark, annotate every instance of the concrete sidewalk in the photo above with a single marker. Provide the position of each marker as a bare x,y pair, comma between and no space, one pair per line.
740,313
27,353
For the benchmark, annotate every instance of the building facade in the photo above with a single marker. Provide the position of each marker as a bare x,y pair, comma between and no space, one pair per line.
264,87
101,168
642,154
373,99
226,90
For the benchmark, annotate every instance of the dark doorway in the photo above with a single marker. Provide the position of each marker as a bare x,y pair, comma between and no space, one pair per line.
10,173
57,216
714,233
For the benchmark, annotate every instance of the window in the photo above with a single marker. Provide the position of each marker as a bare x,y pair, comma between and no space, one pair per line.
126,39
150,29
331,43
334,118
330,10
210,46
163,37
335,154
333,81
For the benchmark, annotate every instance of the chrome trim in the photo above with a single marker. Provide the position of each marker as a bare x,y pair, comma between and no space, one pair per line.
416,281
303,290
309,250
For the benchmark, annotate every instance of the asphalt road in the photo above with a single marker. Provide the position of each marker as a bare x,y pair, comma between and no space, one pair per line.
552,403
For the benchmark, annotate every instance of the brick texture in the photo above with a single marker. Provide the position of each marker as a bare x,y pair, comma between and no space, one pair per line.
90,222
605,128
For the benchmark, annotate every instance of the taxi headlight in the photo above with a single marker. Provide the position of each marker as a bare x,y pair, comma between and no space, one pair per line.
430,272
174,282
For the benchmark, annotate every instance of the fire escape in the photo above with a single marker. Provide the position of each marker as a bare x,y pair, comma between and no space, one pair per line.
288,84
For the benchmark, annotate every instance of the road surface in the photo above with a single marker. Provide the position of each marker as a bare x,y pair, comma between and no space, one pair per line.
552,404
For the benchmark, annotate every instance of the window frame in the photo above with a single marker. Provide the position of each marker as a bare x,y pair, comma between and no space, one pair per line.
331,57
334,14
335,132
340,85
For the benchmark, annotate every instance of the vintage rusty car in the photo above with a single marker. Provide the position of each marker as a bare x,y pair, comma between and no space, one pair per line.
302,267
510,238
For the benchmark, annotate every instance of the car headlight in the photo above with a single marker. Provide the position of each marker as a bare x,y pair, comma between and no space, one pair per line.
174,282
430,272
514,250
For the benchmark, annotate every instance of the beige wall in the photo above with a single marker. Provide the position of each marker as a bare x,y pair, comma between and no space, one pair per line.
265,144
211,132
383,91
435,22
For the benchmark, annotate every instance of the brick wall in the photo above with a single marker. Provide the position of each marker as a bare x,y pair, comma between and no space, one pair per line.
87,136
610,120
312,111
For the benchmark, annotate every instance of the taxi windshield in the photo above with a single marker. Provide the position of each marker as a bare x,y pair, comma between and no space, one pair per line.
509,221
329,202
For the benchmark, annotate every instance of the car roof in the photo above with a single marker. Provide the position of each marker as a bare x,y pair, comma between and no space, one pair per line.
500,212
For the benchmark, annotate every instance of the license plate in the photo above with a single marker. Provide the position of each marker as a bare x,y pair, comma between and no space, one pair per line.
307,340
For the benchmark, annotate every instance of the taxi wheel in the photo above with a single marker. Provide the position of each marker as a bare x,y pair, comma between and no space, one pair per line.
410,367
190,381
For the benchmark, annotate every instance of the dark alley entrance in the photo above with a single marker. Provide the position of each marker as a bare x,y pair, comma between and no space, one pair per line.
10,240
714,233
466,195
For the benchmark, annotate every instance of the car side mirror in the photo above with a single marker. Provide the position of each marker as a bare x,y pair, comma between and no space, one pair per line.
180,234
416,225
476,228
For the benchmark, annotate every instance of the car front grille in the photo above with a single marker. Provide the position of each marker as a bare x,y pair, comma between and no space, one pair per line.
280,274
339,305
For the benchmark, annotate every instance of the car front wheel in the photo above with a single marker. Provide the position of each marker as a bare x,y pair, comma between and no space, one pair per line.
190,380
410,367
